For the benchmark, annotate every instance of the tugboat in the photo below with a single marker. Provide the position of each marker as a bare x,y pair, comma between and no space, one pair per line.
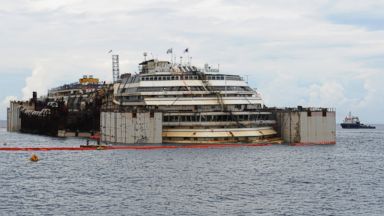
354,122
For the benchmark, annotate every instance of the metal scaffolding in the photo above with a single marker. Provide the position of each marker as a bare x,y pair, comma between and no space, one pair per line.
115,67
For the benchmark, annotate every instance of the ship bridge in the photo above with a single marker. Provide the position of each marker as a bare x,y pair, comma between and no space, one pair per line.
155,66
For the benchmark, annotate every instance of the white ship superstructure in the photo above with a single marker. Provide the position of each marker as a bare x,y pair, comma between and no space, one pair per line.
197,105
171,103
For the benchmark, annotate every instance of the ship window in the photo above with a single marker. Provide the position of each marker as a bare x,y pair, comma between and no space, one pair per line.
134,115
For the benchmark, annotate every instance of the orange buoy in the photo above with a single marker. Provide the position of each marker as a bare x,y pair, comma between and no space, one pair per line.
34,158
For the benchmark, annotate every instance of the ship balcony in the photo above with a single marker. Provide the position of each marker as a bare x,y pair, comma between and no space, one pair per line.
219,123
219,133
180,93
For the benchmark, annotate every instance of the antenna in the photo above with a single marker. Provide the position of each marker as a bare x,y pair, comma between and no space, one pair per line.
145,56
115,67
225,84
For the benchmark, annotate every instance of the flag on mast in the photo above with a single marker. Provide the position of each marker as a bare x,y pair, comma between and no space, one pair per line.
169,51
186,50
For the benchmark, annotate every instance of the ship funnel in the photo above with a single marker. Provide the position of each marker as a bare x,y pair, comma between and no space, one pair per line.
34,96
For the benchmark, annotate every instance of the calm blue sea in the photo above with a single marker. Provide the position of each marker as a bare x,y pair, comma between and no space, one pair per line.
344,179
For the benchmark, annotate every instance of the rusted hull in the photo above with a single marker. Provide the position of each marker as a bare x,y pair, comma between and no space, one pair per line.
224,142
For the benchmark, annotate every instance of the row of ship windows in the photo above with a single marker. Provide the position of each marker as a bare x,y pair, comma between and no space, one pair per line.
191,77
184,88
141,98
234,139
214,118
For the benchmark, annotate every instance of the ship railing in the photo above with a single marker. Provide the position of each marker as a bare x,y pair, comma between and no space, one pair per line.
75,86
304,109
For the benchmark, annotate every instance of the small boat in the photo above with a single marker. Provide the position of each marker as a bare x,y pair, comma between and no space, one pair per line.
354,122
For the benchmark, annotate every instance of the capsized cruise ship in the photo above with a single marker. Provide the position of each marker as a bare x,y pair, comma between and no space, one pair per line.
182,103
165,102
68,109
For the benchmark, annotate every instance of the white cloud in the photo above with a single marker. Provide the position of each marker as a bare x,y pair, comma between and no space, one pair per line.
293,53
7,99
326,94
5,103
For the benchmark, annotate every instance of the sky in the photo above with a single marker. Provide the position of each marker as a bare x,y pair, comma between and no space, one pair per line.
318,53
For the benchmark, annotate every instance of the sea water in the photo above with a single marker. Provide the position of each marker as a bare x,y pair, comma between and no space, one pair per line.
342,179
